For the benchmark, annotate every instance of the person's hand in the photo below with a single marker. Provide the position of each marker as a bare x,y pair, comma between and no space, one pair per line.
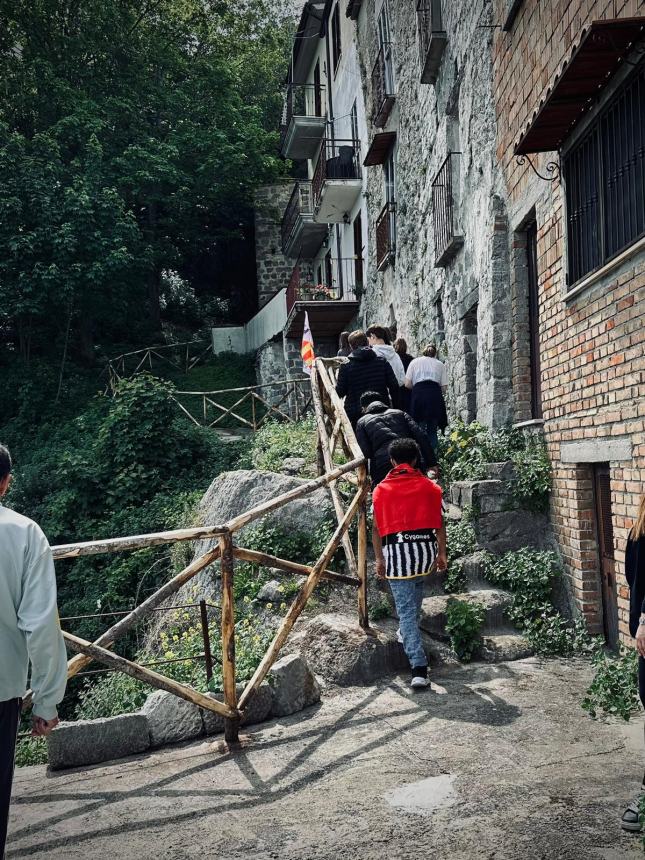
40,728
380,568
640,640
442,562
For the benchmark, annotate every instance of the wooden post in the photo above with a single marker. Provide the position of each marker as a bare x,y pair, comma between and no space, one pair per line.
208,657
148,676
253,421
231,724
363,615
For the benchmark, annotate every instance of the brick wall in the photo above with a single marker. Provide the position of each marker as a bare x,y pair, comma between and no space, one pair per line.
592,348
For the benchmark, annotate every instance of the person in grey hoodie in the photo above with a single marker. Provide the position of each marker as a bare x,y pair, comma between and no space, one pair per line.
29,633
379,339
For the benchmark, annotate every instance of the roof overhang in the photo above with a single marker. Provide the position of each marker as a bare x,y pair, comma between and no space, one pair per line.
597,58
380,148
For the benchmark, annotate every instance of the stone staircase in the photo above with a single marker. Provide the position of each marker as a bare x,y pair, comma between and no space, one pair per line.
499,527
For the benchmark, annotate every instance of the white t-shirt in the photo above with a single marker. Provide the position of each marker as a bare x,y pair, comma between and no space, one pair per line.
426,369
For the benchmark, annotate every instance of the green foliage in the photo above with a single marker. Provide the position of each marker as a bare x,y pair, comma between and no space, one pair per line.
30,751
379,608
532,483
461,541
276,441
463,624
113,694
614,689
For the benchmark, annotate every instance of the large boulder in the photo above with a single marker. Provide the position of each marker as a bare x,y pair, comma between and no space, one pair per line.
293,685
92,741
171,719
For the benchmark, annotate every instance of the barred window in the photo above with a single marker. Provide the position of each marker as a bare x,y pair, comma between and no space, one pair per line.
605,181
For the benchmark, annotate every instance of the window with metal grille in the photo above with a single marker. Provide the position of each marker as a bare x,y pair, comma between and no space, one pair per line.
336,44
605,181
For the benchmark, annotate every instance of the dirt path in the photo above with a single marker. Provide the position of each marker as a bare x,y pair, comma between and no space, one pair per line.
494,762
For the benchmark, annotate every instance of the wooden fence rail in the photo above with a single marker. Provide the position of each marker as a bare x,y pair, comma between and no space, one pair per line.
182,356
333,428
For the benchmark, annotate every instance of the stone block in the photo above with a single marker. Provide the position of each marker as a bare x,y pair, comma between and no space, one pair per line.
171,719
257,711
495,602
92,741
503,647
501,471
293,684
511,530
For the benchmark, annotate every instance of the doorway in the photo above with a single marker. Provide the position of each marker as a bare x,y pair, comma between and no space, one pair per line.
605,538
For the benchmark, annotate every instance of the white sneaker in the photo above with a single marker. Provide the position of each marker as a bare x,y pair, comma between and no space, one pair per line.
399,638
418,682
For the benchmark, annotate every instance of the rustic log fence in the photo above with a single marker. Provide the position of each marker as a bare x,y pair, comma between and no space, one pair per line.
284,400
333,429
182,356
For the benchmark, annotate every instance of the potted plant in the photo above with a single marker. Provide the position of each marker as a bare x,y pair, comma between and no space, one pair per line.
307,292
323,293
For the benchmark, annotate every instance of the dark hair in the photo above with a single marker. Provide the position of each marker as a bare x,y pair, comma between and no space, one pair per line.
430,351
5,462
357,339
404,451
343,340
370,397
380,332
401,346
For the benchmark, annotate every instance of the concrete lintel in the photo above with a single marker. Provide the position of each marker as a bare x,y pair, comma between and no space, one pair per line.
602,450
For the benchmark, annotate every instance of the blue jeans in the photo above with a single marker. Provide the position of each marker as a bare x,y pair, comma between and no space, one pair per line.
430,429
408,596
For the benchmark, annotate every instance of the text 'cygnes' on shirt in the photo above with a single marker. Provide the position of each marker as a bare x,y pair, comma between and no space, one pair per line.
29,626
426,369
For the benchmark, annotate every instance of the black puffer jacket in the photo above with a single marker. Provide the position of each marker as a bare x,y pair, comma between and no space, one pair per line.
635,574
379,427
365,371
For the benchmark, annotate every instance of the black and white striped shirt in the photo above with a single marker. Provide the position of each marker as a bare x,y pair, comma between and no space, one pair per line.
409,554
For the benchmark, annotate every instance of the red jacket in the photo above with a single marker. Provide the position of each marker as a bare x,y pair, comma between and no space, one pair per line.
407,501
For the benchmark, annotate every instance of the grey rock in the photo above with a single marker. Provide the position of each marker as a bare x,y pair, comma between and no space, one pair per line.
501,471
271,593
495,602
171,719
293,465
505,646
257,711
293,685
91,741
511,530
341,652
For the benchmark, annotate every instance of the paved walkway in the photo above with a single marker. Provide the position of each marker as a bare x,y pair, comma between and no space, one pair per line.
494,762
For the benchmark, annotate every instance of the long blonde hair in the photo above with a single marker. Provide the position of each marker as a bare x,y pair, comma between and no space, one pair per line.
638,529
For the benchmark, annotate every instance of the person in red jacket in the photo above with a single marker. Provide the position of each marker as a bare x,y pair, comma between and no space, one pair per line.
409,536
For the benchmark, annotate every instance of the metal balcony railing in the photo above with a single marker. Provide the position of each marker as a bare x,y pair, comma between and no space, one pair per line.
306,100
340,279
338,159
446,233
432,39
300,204
383,93
386,236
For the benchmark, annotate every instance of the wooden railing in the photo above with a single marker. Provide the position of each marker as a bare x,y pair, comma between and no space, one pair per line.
285,400
334,430
182,356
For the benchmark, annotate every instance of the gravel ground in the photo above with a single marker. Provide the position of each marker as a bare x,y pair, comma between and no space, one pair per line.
493,762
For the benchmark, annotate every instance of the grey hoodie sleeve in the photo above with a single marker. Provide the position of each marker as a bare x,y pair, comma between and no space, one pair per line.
38,620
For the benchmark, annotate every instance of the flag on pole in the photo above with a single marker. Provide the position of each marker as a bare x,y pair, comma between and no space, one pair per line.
307,347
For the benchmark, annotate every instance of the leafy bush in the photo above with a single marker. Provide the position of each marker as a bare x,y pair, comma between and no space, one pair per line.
460,541
113,694
30,751
276,441
463,625
614,689
532,484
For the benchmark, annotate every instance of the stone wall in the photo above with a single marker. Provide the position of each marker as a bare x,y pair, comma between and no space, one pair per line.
592,345
273,268
464,304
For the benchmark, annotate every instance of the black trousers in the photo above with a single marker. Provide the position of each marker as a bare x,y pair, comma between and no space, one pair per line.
9,720
641,680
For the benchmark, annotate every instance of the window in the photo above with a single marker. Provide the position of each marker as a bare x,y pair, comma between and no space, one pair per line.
358,250
386,221
336,44
353,118
317,90
389,178
604,174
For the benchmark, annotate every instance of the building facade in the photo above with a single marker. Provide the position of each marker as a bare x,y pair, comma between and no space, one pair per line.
569,82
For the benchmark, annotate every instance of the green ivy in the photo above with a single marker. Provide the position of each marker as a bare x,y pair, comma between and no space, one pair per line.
275,441
614,689
531,485
463,624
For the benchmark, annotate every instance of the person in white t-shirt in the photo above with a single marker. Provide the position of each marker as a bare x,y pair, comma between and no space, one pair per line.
427,377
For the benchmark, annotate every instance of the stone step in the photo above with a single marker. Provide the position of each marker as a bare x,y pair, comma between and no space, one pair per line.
473,573
487,497
495,601
501,471
500,647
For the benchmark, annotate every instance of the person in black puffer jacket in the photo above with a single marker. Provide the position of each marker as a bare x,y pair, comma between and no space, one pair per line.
365,371
379,427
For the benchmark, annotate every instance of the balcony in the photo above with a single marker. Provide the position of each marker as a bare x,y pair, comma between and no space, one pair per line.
386,236
301,235
330,305
383,95
447,235
337,182
303,122
432,39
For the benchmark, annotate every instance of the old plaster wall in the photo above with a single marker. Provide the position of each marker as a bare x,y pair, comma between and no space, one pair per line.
466,304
